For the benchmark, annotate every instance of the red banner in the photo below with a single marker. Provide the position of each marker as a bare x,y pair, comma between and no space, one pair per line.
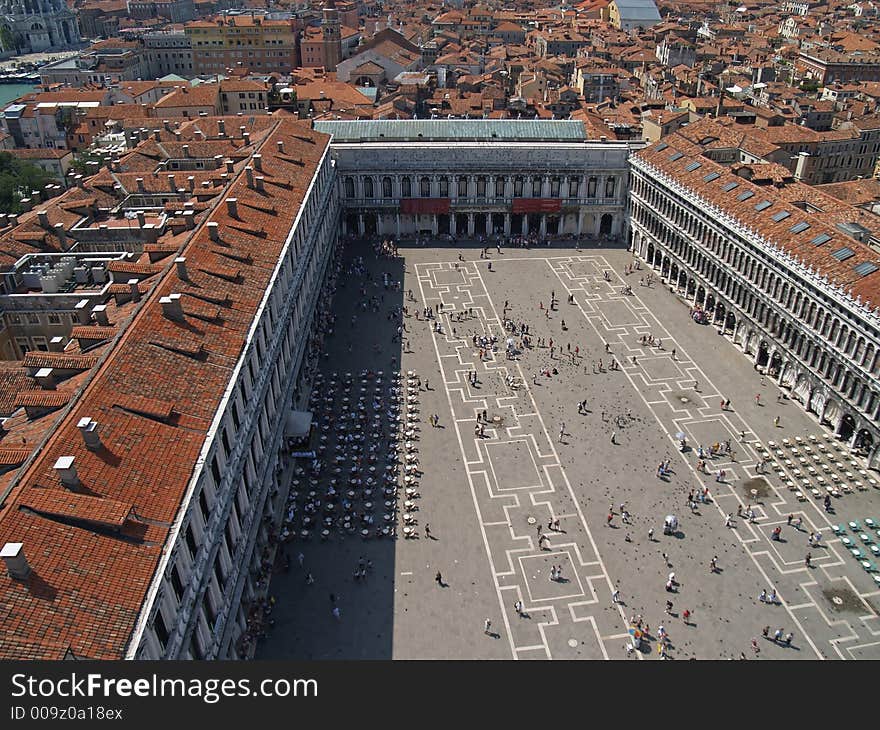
423,206
536,205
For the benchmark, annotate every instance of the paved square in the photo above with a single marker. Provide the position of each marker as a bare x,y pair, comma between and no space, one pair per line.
513,465
491,501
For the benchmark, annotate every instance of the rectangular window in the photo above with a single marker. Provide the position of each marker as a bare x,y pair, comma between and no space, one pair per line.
203,504
191,541
161,630
176,583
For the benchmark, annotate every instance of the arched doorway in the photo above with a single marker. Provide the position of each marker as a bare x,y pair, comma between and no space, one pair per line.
371,224
691,286
710,302
763,354
443,224
701,294
498,223
351,224
864,442
605,225
664,268
516,224
480,224
553,225
534,223
847,427
461,224
775,365
649,256
730,322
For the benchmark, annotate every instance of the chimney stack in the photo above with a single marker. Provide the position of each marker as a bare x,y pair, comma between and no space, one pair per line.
82,311
167,124
135,291
260,182
243,130
100,312
214,231
89,430
171,307
249,171
140,184
280,146
232,207
66,470
180,262
141,218
157,135
43,217
221,127
189,217
172,185
246,136
26,204
258,162
186,150
62,235
56,344
45,378
16,563
230,166
191,181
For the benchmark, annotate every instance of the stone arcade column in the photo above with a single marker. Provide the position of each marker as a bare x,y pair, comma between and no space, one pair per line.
542,226
452,217
507,224
361,226
397,221
470,225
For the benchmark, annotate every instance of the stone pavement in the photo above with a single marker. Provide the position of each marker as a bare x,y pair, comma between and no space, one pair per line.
486,497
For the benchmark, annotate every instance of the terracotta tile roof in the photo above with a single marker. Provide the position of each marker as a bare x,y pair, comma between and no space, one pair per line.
13,457
781,198
87,586
63,503
45,398
94,332
59,360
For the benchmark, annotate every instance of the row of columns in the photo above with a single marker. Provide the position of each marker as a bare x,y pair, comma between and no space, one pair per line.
589,186
507,228
640,248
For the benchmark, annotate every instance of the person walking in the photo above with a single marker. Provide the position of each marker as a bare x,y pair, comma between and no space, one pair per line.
336,613
615,597
613,437
651,535
686,616
301,558
439,579
428,532
518,607
561,432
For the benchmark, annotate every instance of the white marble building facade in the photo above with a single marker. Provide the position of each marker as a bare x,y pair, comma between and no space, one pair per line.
818,342
470,188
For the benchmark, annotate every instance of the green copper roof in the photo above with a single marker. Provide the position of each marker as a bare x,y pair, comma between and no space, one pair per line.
454,130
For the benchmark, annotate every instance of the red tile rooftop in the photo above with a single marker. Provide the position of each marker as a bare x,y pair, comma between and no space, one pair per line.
798,245
154,405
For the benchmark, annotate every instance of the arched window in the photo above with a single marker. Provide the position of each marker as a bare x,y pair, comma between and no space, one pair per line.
573,185
462,187
425,187
444,187
386,188
499,187
518,186
349,187
554,187
591,187
481,187
610,184
368,187
406,187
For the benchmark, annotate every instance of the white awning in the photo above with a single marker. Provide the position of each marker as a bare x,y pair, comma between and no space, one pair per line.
299,423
